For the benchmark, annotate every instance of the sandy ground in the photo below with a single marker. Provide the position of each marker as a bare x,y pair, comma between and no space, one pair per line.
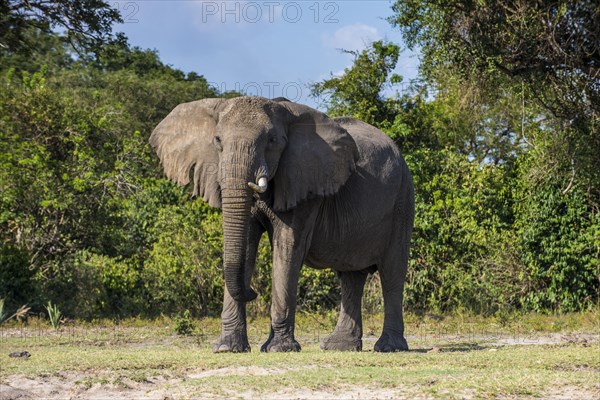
71,384
66,386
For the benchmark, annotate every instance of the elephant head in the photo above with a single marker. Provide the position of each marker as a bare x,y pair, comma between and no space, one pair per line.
233,148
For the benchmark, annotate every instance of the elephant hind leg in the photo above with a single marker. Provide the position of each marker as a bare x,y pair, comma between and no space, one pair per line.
393,273
347,334
392,337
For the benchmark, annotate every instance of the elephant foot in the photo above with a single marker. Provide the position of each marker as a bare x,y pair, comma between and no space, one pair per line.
232,343
341,342
391,342
280,345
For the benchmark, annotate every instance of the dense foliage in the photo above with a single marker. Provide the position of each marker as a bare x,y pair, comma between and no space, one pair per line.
507,190
542,57
499,224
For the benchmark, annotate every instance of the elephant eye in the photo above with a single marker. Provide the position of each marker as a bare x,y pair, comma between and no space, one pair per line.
273,139
217,142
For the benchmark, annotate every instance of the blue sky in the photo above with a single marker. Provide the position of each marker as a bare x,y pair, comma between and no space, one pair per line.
268,48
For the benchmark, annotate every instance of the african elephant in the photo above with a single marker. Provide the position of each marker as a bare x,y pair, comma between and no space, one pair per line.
330,192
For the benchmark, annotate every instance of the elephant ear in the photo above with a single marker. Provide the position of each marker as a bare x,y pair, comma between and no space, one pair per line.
319,157
184,141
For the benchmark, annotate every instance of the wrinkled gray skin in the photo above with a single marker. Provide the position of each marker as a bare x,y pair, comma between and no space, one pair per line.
338,195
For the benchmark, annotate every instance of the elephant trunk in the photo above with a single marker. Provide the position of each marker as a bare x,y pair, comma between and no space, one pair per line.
239,169
236,214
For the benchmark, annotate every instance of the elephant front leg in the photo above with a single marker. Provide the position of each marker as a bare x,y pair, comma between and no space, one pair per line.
290,241
287,261
347,334
234,335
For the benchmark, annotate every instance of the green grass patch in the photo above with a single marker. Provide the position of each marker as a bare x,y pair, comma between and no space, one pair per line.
471,357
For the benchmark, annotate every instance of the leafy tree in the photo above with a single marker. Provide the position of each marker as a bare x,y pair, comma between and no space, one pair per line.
118,55
462,154
485,126
358,92
549,41
463,250
544,50
50,51
85,22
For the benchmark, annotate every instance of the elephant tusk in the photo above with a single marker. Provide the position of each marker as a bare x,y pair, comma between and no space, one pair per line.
261,187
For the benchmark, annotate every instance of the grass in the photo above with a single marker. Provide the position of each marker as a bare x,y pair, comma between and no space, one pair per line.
473,357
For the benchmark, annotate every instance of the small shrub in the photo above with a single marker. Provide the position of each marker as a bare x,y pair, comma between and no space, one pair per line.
184,324
54,315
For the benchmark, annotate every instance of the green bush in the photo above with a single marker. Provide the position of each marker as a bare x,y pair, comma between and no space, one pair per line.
463,251
184,267
261,280
560,248
90,285
17,278
318,290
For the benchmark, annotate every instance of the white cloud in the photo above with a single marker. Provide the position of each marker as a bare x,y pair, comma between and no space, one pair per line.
352,37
